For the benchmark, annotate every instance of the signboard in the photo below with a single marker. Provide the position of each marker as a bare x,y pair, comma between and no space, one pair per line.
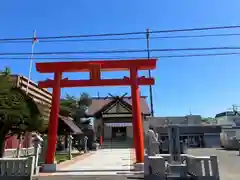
118,124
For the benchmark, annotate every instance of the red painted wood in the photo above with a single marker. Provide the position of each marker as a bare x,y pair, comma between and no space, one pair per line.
53,123
101,140
102,82
86,66
94,67
137,117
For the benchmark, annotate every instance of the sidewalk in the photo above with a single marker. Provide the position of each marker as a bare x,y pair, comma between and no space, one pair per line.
101,162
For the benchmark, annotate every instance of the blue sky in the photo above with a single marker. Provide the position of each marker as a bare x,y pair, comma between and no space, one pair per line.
207,85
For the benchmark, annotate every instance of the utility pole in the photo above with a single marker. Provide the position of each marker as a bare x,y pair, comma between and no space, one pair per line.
149,72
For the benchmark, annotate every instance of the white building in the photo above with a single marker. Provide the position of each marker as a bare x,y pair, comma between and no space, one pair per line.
230,123
113,117
191,127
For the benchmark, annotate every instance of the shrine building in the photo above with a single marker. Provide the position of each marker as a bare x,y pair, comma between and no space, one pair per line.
113,117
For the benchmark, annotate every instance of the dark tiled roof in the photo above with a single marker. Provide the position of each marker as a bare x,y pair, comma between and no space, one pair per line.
226,113
70,125
100,103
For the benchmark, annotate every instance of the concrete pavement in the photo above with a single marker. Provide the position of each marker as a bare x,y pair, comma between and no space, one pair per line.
97,177
102,162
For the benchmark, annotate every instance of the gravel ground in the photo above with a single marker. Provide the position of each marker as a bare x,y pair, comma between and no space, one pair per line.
229,161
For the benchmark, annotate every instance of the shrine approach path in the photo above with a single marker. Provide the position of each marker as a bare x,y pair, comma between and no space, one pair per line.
116,161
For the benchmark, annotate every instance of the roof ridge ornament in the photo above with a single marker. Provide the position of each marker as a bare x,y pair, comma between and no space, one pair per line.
119,98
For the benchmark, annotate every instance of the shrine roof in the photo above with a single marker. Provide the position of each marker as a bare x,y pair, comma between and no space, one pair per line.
68,124
99,103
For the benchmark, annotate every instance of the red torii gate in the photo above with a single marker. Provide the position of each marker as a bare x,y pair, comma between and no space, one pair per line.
95,68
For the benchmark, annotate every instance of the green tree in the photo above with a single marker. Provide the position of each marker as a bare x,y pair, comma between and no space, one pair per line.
75,107
68,105
18,112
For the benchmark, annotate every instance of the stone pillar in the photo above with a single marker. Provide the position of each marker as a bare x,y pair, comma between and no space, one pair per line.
37,150
85,144
174,143
70,139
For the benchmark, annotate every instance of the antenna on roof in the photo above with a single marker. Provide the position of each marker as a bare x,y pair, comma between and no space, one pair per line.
190,111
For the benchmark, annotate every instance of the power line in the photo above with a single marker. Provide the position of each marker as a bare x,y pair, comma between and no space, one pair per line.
125,51
121,57
201,55
78,40
122,34
196,29
196,36
127,38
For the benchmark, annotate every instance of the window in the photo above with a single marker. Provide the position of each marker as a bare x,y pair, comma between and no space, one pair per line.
236,122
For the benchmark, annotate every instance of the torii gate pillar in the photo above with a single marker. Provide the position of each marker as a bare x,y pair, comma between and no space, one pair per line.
53,121
137,117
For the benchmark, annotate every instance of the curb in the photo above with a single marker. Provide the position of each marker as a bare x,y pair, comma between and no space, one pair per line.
73,160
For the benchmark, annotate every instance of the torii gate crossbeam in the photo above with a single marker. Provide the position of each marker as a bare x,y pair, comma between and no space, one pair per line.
95,68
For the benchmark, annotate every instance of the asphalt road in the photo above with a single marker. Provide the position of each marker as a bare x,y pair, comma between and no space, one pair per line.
228,161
